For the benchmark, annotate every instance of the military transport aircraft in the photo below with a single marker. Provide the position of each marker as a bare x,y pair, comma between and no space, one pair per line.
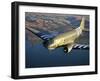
66,39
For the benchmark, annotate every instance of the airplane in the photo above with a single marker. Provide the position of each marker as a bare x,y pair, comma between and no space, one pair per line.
66,39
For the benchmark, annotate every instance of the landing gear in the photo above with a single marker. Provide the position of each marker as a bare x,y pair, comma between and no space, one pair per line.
65,49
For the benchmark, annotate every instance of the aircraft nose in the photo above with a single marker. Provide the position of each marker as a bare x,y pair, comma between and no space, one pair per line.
51,46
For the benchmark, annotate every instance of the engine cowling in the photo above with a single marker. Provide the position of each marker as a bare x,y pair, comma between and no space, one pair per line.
65,49
68,47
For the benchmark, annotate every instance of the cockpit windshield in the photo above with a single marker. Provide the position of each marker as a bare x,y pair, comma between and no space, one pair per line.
51,41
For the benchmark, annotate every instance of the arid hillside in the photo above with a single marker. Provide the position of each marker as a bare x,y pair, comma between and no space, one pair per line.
54,23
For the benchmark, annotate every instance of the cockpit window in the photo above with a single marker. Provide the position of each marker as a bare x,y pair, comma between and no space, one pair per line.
51,41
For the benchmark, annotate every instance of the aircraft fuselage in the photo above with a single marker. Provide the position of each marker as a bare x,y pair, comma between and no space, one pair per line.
67,40
63,39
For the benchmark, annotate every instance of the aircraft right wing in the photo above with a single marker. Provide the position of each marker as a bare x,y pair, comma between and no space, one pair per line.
81,46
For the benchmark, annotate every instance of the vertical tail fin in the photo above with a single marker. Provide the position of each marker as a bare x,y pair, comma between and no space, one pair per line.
82,23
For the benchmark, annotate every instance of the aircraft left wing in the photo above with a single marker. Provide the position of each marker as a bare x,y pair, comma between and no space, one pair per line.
43,35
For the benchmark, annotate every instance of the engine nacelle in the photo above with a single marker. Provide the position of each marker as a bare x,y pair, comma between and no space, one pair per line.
65,49
68,48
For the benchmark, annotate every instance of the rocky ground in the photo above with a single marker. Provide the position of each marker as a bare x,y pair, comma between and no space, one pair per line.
54,23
